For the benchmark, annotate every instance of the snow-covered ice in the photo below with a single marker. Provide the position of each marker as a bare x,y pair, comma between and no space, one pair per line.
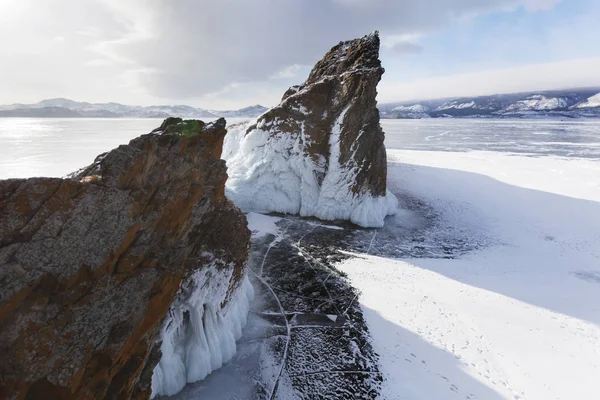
56,147
271,173
519,319
515,314
261,225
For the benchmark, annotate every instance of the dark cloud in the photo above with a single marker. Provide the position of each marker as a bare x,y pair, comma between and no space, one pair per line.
144,51
189,48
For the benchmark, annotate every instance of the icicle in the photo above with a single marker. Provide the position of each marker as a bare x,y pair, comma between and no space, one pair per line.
197,355
198,337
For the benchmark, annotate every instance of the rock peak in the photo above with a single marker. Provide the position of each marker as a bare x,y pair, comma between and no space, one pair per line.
320,152
350,56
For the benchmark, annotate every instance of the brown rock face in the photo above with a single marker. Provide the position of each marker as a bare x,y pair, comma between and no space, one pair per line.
328,131
342,88
90,265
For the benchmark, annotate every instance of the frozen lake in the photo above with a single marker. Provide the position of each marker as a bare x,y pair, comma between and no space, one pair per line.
55,147
539,137
483,286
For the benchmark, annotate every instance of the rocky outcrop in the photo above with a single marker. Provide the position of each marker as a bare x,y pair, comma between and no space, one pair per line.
320,152
90,265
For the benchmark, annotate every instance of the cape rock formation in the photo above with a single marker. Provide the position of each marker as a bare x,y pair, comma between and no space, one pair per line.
320,152
91,265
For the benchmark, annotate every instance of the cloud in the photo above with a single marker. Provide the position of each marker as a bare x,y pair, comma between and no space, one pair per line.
189,50
545,76
198,49
402,44
291,71
406,48
540,5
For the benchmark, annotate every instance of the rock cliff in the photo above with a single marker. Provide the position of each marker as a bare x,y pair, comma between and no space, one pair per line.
320,152
90,265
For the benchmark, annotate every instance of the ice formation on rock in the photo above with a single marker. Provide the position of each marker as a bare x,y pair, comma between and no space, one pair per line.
91,264
320,152
198,335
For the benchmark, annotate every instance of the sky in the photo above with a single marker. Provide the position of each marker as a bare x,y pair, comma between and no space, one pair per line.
226,54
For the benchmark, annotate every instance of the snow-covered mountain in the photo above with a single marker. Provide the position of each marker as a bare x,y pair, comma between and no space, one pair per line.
573,103
71,108
415,111
417,108
538,102
590,102
43,112
247,112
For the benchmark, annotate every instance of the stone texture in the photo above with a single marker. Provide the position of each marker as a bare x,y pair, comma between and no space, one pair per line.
90,265
342,87
321,152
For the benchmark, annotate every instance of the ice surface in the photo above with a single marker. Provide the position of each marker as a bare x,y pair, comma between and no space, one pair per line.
58,146
261,225
572,138
515,320
55,147
199,336
270,173
518,317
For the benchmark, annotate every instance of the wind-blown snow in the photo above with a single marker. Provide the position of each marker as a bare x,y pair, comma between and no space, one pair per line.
269,172
199,336
515,320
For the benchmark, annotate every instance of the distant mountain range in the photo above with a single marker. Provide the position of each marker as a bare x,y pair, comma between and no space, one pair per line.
570,103
65,108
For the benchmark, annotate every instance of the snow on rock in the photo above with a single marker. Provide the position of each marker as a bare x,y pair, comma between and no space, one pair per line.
416,108
458,105
591,102
320,152
415,111
538,102
198,335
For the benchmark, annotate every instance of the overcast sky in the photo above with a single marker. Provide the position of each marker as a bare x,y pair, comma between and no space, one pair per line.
233,53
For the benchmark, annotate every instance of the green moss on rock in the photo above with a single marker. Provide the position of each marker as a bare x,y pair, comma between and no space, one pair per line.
181,127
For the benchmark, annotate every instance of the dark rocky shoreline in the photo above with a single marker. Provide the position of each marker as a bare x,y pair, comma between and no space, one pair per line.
296,267
321,336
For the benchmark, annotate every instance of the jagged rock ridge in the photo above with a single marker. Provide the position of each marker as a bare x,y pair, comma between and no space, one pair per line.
320,152
90,265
